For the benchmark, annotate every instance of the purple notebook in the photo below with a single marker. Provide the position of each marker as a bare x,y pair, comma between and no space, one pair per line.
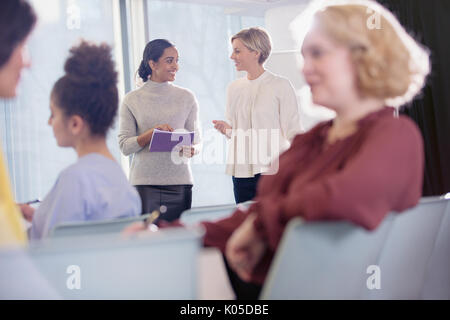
165,141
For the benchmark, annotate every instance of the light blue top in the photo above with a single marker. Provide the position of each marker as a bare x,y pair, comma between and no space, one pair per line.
93,188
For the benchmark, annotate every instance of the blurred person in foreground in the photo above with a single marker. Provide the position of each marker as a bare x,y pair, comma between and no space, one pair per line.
17,20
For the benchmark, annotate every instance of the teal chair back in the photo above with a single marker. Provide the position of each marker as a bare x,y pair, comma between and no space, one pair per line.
407,252
21,280
337,260
87,228
207,213
323,260
160,265
210,213
437,276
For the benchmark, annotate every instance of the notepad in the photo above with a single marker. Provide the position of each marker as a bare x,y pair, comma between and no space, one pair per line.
165,141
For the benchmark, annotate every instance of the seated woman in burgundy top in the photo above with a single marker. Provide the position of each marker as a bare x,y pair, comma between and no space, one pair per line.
358,167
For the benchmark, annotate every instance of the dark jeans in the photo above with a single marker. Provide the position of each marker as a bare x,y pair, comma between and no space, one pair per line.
243,290
245,188
176,199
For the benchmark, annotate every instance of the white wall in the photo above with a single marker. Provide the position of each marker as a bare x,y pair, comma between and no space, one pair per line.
286,61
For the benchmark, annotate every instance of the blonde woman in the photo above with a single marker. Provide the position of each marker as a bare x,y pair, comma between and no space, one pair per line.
261,112
357,167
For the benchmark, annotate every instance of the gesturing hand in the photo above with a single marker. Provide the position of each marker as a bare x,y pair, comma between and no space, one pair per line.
222,127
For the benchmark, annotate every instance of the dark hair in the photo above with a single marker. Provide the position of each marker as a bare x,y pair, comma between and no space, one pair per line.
153,51
89,87
17,19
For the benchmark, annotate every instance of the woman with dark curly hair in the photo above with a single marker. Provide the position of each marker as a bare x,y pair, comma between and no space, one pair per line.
83,106
17,20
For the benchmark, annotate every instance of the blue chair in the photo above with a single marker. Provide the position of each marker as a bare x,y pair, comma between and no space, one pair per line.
160,265
86,228
408,249
437,275
323,260
330,260
21,280
210,213
206,213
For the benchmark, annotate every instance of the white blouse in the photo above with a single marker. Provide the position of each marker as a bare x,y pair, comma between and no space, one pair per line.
265,119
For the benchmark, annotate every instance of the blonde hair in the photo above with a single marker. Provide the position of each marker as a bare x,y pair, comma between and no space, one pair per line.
255,39
389,63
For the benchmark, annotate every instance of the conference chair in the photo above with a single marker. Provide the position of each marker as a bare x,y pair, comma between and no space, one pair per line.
86,228
407,252
437,279
210,213
323,260
338,260
437,275
160,265
21,280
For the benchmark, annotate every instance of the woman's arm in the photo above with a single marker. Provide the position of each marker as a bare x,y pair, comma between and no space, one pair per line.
128,140
289,114
222,126
245,249
193,124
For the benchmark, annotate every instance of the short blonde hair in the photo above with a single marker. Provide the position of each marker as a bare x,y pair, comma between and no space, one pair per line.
255,39
390,64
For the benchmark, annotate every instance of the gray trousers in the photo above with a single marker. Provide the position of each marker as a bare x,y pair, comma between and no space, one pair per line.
172,199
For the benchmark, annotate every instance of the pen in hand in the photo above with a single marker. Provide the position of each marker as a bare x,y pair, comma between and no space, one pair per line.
155,215
33,201
27,210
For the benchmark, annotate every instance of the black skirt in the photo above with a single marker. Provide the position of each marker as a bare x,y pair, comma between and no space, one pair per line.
170,200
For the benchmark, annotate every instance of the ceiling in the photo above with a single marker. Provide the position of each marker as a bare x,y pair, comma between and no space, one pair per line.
247,7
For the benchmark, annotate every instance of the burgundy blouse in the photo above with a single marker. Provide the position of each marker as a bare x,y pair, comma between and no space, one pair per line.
361,178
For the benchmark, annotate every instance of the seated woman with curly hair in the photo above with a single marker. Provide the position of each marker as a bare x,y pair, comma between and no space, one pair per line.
83,106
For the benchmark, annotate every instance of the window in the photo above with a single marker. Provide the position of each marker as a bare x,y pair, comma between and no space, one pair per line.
33,158
202,35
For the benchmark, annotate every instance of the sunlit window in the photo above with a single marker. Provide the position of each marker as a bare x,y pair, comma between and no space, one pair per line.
202,35
33,158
